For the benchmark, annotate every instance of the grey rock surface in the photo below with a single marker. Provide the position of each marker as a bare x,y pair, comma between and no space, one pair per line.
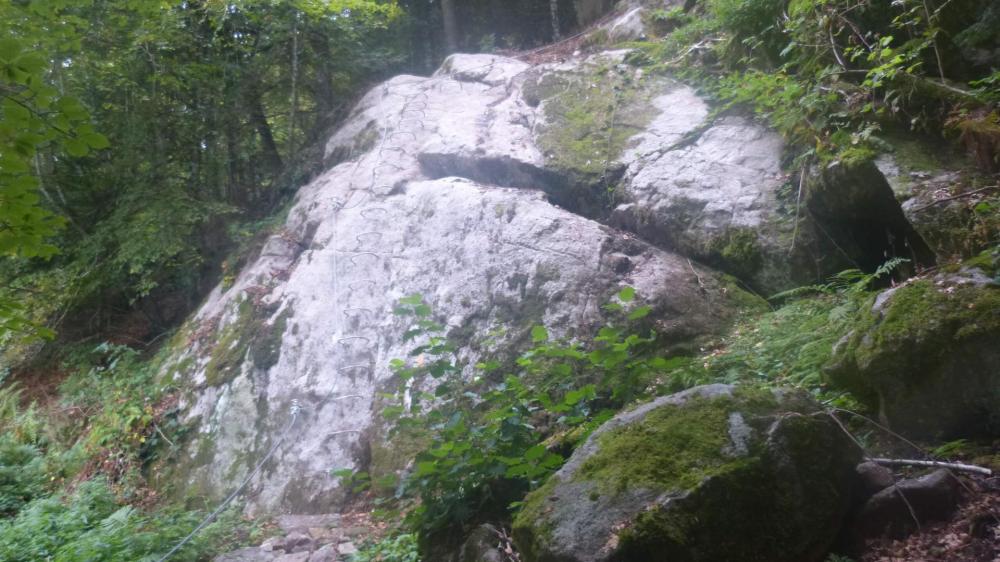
899,510
482,545
309,323
251,554
292,522
873,478
927,178
326,553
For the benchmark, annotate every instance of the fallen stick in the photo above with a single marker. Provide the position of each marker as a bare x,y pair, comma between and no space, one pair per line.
937,464
953,197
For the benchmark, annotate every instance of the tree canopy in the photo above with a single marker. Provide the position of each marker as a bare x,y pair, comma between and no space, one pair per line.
212,111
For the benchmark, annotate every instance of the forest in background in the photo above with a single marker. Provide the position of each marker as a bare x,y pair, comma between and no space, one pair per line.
144,142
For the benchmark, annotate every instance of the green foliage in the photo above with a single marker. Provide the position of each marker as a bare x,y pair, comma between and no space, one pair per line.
44,449
212,114
398,548
828,73
495,430
788,347
494,436
22,475
849,281
92,525
951,449
755,25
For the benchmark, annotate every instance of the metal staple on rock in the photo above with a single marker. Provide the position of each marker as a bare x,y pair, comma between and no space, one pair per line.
295,409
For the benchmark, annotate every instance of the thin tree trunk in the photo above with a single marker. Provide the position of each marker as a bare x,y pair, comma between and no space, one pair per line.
259,121
554,11
450,25
295,90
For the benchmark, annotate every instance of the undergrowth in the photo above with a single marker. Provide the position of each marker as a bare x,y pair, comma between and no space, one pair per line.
71,470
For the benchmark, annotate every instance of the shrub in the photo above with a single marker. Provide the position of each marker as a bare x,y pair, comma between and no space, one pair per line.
22,475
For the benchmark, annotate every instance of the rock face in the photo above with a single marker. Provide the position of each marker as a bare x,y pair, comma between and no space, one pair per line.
940,190
310,322
713,473
647,154
504,194
309,538
925,355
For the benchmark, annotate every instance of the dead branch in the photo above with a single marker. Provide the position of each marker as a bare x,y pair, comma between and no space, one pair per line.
934,464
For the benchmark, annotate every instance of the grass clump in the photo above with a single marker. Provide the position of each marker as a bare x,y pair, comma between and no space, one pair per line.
787,346
91,524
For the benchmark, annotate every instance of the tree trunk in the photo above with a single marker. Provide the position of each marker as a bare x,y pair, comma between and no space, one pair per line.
259,120
554,11
450,25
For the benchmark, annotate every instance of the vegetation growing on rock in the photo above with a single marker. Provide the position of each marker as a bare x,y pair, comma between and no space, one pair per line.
921,355
667,477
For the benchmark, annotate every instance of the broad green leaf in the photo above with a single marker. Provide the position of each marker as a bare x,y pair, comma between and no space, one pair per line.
639,313
539,334
535,452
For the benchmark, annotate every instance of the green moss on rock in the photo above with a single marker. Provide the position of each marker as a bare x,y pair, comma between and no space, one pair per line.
738,250
672,448
251,336
590,114
675,480
926,353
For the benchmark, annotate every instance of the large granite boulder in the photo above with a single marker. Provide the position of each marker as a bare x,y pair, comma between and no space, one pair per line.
926,356
503,193
308,326
712,473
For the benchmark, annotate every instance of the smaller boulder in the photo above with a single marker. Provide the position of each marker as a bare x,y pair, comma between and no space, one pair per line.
251,554
273,544
925,354
326,553
872,479
898,510
482,545
713,473
297,541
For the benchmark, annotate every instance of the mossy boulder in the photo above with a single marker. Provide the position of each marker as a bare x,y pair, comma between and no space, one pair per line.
713,473
927,355
944,197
